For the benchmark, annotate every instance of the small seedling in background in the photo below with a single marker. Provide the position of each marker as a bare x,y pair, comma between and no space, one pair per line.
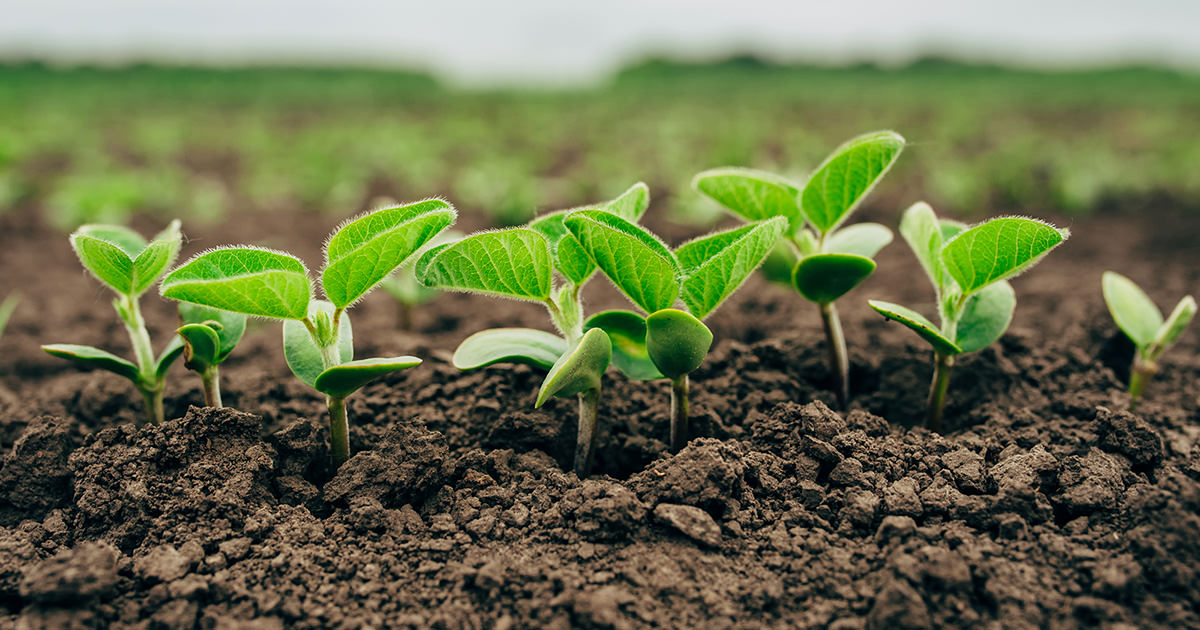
209,335
521,263
408,292
821,259
317,337
123,260
969,268
702,273
6,310
1138,317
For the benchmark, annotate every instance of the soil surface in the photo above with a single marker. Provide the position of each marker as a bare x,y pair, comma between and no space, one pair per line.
1046,504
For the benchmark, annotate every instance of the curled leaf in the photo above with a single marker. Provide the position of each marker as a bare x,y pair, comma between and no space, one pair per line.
578,370
537,348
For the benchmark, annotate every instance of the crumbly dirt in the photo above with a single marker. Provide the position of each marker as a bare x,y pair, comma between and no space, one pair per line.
1046,504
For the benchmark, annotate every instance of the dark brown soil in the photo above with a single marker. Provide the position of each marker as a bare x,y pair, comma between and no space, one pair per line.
1046,505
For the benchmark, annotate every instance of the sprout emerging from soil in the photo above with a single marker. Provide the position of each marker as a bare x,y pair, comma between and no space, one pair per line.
1139,318
209,336
817,256
969,268
124,262
522,264
317,338
6,310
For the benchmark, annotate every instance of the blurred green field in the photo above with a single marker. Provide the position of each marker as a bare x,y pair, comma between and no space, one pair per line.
99,144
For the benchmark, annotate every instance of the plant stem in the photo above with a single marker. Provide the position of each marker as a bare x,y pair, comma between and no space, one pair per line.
839,361
339,431
211,380
139,337
1143,370
937,391
679,413
585,441
154,404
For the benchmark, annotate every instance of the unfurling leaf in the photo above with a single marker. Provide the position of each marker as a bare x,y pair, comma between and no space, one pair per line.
578,370
627,331
201,346
823,278
229,329
121,259
537,348
846,176
752,195
997,250
917,322
513,262
302,353
714,266
342,380
247,280
639,264
677,342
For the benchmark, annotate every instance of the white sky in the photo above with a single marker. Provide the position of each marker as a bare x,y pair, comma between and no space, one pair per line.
501,41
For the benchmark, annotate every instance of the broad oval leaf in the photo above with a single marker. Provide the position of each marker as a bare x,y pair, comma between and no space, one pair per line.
107,261
94,358
714,266
751,194
860,239
569,258
998,249
627,331
639,264
537,348
578,370
846,176
917,322
342,380
152,262
248,280
823,278
920,228
677,342
124,238
302,353
201,346
364,251
985,316
513,262
1176,323
231,326
1133,311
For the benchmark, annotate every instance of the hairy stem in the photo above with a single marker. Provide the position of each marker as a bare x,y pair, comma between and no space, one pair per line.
839,361
585,441
131,314
1143,370
339,431
154,404
211,380
937,391
679,413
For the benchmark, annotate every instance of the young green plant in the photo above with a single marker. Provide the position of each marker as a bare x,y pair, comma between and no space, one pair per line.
522,263
209,336
123,261
317,336
668,342
1139,318
6,310
969,268
821,259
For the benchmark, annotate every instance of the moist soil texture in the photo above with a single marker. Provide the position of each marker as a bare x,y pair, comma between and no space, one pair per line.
1046,503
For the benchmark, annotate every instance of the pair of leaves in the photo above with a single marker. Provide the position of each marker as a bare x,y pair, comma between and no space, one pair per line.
209,335
122,259
1139,318
985,316
571,261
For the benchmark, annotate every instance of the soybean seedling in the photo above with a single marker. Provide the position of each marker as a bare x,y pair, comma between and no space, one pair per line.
522,264
969,268
1138,317
123,261
820,259
317,337
209,336
6,310
702,273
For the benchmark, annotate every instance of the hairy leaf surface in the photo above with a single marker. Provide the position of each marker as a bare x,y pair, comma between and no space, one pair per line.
846,176
513,262
639,264
244,280
998,249
715,266
751,194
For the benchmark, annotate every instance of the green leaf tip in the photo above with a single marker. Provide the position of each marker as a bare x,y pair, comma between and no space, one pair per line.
716,265
201,346
513,262
94,358
578,370
846,177
243,279
342,380
998,249
676,341
823,278
1139,318
637,262
528,346
926,329
752,194
121,259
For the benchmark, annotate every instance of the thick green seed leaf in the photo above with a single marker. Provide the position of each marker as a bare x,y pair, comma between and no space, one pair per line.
1176,323
201,346
639,264
1133,311
677,342
997,250
94,358
537,348
578,370
846,176
752,195
861,239
342,380
229,329
823,278
631,204
985,316
363,252
152,262
513,263
569,258
714,266
917,322
627,331
245,280
169,355
920,229
302,353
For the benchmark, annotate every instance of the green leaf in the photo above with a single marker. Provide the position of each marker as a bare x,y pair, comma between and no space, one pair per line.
201,346
302,353
917,322
823,278
153,261
1176,323
677,342
846,176
247,280
513,263
342,380
752,195
230,326
639,264
580,369
364,251
985,316
6,309
627,331
778,265
631,204
714,266
950,228
95,358
105,260
569,258
861,239
404,288
1133,311
997,250
921,230
168,356
537,348
124,238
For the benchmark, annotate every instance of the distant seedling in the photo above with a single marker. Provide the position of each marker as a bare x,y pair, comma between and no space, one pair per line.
209,336
969,268
124,262
408,292
817,256
6,310
1139,318
317,336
